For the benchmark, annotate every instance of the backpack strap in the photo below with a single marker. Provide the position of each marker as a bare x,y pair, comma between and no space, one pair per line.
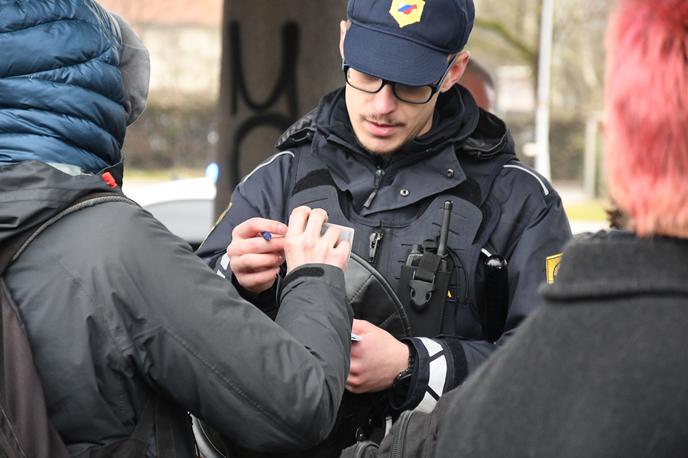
25,429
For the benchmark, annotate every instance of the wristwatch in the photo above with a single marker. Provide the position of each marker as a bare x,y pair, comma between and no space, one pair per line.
402,381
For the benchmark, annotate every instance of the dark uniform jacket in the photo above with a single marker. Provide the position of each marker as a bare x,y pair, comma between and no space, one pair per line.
599,371
501,206
114,306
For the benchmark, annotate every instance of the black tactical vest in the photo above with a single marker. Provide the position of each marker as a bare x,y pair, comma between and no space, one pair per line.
384,241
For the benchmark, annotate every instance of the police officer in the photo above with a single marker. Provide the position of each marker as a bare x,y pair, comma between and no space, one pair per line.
452,231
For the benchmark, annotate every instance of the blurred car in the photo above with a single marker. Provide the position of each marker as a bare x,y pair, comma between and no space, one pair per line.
185,207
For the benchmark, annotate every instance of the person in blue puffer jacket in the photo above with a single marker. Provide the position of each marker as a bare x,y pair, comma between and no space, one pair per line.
117,310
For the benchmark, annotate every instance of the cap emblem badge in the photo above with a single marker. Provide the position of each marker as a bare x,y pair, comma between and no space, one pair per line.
407,12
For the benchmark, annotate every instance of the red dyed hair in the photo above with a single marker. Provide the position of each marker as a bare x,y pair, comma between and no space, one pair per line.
646,133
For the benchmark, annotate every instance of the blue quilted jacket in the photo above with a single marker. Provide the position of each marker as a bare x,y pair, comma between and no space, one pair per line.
61,93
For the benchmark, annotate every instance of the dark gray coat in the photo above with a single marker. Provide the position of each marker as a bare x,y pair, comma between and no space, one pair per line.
601,370
116,307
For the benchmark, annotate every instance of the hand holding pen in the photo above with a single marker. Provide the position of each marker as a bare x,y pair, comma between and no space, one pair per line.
256,253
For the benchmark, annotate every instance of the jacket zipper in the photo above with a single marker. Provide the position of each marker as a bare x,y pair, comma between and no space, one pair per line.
379,173
375,240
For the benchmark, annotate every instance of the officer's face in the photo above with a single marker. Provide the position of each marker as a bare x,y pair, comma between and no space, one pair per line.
383,123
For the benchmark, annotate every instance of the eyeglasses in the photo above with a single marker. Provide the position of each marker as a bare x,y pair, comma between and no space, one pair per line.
417,95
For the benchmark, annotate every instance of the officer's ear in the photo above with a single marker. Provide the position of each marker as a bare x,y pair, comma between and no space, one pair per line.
343,27
456,70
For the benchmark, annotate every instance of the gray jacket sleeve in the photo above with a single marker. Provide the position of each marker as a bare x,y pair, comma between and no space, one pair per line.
151,311
261,384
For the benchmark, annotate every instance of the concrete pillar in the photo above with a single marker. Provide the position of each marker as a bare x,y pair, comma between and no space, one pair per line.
278,59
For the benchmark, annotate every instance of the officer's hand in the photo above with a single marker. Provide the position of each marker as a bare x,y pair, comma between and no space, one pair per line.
376,359
304,245
253,260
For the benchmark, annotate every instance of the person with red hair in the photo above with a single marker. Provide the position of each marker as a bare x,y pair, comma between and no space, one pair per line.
601,369
647,116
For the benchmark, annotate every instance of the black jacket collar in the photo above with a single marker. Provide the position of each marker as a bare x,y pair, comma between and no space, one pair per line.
425,167
461,131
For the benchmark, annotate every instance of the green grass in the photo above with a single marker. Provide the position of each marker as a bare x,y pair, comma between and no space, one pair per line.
593,210
157,175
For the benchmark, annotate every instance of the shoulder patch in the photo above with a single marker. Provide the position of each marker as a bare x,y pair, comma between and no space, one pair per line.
552,267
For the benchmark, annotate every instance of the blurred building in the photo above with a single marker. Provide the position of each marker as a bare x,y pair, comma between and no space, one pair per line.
184,39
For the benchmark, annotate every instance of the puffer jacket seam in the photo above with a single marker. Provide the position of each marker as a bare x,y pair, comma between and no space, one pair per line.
67,116
35,75
51,21
63,139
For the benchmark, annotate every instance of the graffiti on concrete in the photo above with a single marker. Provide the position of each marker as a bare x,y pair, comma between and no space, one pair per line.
263,113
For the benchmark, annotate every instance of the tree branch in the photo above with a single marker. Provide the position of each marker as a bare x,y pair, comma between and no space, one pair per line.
528,53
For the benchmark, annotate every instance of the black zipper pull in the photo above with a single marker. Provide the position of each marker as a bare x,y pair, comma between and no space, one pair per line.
379,173
375,240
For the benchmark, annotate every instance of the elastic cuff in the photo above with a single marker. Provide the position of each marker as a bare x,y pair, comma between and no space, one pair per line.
457,360
330,274
433,374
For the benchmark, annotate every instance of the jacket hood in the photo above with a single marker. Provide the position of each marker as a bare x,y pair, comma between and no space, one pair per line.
62,97
32,192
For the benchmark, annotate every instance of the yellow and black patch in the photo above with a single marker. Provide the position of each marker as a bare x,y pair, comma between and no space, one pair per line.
222,215
552,267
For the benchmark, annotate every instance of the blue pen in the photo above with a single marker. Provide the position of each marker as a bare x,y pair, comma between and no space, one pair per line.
266,235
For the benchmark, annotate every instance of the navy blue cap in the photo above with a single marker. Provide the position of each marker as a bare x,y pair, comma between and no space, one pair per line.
406,41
